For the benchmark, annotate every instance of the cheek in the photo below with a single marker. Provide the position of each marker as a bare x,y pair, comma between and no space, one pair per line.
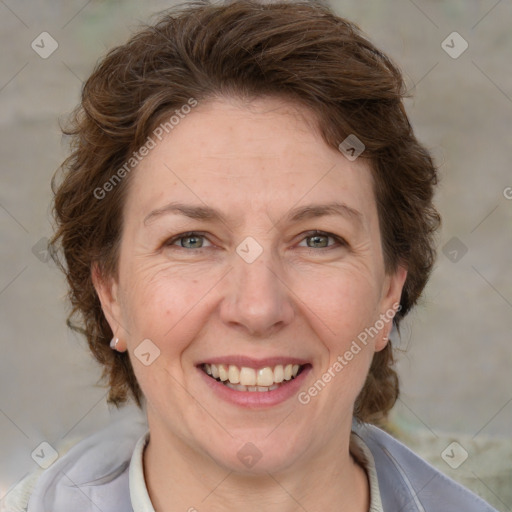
345,307
344,301
162,308
161,302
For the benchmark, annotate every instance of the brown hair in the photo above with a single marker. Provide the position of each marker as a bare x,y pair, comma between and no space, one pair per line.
298,51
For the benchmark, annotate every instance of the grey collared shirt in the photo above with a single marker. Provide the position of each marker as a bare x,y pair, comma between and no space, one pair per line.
105,471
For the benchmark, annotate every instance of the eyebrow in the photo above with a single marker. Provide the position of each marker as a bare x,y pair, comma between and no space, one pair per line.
208,213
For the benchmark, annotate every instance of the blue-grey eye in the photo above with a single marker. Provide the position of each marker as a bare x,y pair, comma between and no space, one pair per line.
319,241
196,241
190,240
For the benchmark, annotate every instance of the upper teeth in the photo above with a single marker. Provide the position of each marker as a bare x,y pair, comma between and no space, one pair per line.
245,376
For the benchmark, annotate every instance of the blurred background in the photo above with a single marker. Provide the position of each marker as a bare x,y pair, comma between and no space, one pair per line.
455,350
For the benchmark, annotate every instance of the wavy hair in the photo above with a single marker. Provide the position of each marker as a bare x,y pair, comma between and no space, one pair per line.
299,51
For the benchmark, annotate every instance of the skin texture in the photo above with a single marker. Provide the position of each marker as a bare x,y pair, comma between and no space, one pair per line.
253,162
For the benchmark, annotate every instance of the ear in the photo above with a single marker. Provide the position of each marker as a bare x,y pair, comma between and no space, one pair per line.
392,291
108,293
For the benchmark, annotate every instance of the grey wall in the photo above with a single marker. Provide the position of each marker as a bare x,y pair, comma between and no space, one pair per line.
455,370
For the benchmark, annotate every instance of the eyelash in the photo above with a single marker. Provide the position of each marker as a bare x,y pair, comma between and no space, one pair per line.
339,241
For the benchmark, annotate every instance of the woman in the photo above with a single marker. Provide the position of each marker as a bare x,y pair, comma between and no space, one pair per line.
245,216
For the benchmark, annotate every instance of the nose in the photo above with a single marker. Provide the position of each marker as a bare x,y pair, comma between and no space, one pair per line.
256,298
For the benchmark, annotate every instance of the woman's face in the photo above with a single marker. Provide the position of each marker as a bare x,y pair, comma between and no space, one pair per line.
253,289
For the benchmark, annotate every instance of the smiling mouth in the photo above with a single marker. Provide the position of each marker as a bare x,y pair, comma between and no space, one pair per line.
249,379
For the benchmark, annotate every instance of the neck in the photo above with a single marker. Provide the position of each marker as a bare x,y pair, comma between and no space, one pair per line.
181,479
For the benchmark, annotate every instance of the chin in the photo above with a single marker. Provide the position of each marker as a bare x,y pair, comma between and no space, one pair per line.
256,453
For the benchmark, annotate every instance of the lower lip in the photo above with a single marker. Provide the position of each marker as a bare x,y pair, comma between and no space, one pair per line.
257,399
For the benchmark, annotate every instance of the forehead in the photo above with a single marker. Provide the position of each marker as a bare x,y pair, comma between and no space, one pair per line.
266,153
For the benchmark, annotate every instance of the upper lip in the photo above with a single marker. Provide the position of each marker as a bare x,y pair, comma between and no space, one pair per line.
250,362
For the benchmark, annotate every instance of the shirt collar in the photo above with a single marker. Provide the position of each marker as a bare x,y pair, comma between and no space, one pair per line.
142,503
138,490
363,455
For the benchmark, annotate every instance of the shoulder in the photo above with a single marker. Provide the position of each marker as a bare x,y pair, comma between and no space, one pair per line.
92,475
409,483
